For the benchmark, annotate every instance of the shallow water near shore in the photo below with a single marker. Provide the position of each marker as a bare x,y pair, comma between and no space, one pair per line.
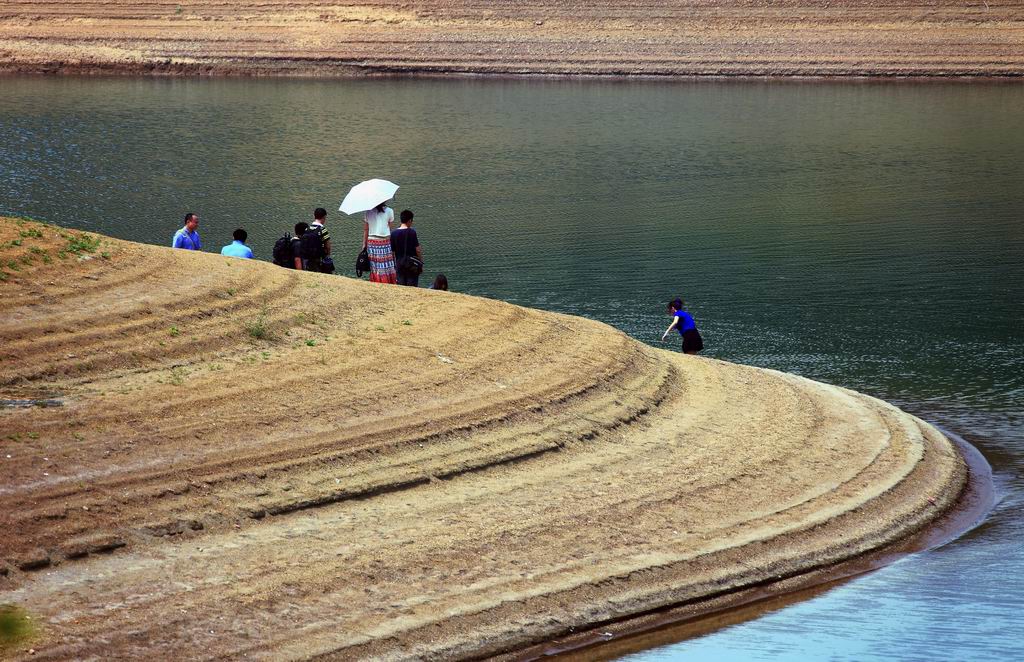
866,235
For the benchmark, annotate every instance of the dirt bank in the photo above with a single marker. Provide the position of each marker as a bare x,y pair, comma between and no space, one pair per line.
227,458
554,37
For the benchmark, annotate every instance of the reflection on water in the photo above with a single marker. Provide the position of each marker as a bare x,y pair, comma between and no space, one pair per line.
659,638
868,235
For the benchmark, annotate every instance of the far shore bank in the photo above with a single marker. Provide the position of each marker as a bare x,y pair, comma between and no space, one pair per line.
276,465
340,74
646,39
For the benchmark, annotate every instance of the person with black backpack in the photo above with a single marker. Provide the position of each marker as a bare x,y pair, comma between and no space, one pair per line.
315,245
287,248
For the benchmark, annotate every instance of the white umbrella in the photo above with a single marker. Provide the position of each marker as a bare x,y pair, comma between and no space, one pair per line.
367,195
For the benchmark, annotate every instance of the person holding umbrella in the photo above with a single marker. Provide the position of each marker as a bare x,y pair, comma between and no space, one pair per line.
377,244
370,197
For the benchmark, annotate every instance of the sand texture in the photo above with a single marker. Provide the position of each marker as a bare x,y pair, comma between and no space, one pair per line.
554,37
240,459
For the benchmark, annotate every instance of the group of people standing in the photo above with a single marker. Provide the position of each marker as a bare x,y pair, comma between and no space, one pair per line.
395,254
395,257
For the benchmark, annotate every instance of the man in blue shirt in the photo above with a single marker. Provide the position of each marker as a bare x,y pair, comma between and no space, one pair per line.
187,237
237,248
682,322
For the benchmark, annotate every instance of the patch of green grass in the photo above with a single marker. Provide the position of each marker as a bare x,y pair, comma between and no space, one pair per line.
259,328
13,265
33,435
174,332
231,291
3,276
15,627
31,232
105,255
16,242
216,366
310,343
380,328
178,375
265,355
80,243
406,322
78,436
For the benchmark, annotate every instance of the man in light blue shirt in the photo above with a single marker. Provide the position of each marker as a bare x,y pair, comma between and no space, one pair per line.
237,248
187,237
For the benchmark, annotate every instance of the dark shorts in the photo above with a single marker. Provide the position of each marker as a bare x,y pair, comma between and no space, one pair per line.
692,342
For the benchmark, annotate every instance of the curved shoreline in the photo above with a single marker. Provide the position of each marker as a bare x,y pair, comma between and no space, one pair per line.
648,38
679,623
299,465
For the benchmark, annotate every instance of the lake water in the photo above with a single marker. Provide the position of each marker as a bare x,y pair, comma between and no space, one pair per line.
868,235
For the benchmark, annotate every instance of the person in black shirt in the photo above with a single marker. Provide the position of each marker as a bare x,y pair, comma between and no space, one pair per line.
405,243
316,256
300,229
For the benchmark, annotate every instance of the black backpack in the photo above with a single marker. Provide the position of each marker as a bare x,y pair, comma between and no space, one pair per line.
284,256
311,245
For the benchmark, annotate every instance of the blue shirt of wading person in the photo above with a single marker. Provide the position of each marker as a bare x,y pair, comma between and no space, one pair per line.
237,249
685,321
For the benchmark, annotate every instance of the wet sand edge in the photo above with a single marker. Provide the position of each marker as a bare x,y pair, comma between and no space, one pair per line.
680,622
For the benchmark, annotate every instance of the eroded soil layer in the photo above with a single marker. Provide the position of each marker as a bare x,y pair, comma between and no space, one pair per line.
554,37
204,456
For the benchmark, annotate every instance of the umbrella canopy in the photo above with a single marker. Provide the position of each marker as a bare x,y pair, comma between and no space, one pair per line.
367,195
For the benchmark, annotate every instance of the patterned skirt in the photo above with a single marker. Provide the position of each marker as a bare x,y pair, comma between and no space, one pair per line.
382,261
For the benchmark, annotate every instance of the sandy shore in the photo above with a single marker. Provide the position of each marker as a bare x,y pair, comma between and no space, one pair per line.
243,460
642,38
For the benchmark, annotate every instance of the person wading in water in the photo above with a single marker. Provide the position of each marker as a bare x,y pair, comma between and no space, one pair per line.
682,322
